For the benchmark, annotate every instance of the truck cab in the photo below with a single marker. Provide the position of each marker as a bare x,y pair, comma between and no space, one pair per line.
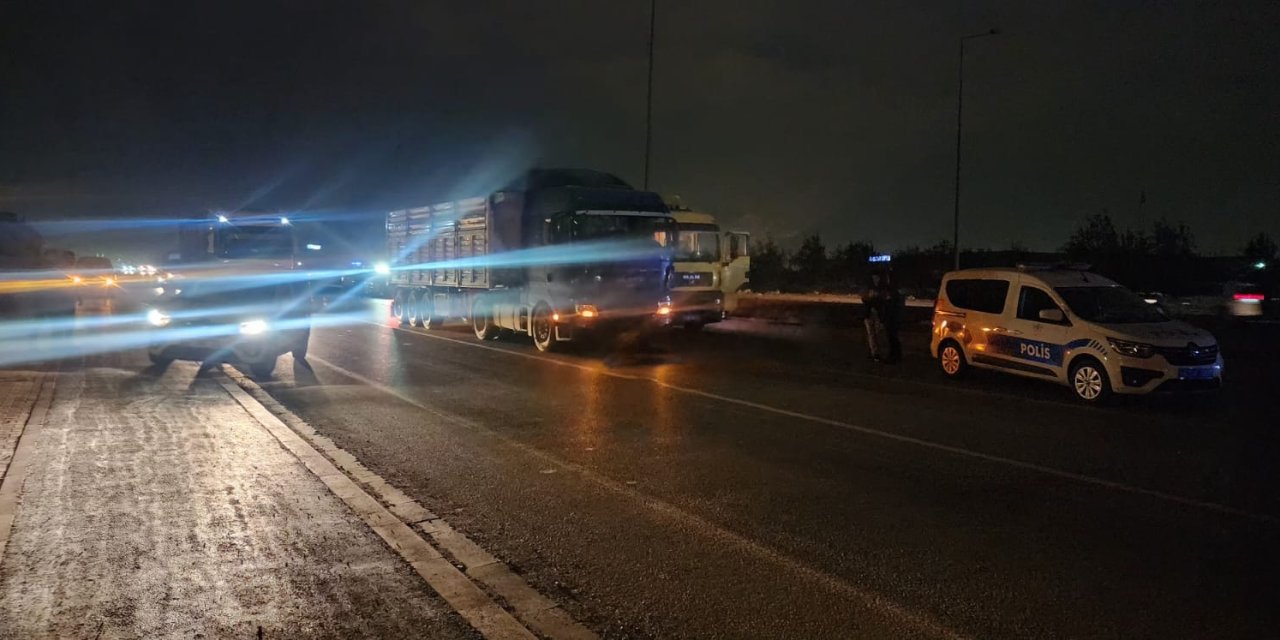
237,294
709,267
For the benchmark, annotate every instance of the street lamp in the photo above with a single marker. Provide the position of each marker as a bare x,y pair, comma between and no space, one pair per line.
648,110
955,237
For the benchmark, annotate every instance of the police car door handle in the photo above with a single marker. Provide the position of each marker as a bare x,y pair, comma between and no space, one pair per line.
1011,332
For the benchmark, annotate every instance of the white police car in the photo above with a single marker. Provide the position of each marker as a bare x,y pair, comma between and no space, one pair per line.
1070,326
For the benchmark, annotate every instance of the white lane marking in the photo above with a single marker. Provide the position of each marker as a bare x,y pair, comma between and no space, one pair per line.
928,444
16,474
473,604
883,606
545,616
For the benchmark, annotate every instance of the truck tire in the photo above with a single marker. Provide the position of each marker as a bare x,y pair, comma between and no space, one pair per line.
417,302
400,306
300,345
482,320
427,317
262,369
543,328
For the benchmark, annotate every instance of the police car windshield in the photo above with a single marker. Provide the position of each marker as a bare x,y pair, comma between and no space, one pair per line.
1110,305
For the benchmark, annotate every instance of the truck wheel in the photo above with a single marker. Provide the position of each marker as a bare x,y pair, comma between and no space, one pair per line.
397,304
417,302
544,328
159,358
300,345
262,369
482,320
427,312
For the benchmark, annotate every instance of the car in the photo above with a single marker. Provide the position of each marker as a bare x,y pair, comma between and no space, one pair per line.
1069,326
95,277
1255,295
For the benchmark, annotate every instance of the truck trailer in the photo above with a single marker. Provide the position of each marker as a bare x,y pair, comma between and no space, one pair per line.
553,255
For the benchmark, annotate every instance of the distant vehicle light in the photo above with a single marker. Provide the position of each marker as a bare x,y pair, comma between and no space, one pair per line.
254,327
284,220
77,279
1260,265
157,318
158,291
313,247
1151,300
109,281
381,268
223,219
1251,298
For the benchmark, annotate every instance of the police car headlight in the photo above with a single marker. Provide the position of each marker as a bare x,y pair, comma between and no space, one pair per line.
1135,349
381,268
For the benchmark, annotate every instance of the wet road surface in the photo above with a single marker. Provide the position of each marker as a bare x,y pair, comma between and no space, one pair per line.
726,485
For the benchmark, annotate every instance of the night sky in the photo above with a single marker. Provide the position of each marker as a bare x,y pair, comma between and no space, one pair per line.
783,118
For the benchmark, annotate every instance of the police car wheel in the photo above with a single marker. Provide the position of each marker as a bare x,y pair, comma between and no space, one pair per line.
1089,381
951,357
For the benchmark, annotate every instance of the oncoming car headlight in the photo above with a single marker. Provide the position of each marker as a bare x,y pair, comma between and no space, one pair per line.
381,268
157,318
1135,349
254,327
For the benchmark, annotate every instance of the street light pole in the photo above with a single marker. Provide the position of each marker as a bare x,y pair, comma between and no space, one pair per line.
955,236
648,111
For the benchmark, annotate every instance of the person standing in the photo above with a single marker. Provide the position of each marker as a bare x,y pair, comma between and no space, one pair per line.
891,303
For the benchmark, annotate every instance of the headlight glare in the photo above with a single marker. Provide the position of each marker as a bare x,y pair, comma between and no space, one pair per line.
253,327
157,318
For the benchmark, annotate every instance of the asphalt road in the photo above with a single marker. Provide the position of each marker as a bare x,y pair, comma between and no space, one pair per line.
758,483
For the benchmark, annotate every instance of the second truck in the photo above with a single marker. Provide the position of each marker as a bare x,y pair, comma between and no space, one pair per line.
553,255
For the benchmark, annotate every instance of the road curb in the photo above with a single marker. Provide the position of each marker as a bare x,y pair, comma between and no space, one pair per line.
16,473
475,591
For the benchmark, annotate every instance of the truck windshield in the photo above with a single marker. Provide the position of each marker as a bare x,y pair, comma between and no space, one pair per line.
623,227
256,241
697,245
1110,305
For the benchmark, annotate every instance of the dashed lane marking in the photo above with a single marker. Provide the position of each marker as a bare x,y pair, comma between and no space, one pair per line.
897,437
922,623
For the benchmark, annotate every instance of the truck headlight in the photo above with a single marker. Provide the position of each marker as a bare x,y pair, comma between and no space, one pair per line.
157,318
1135,349
254,327
586,310
381,268
664,308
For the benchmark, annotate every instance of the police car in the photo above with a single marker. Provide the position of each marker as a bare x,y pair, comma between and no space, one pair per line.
1070,326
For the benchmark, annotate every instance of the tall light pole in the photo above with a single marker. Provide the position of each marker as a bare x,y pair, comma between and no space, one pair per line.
955,237
648,110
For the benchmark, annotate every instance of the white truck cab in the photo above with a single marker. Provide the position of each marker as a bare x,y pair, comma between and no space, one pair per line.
708,269
1069,326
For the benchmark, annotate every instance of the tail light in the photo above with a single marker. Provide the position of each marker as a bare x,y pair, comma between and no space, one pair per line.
1247,297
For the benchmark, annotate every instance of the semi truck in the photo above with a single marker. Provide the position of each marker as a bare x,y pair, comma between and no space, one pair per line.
710,267
236,293
553,255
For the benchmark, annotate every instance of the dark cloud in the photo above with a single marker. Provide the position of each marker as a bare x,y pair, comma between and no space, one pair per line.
784,118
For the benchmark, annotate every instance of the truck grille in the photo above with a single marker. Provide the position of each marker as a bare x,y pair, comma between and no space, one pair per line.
692,279
1189,355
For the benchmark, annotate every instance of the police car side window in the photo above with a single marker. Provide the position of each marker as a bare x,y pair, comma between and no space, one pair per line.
1031,301
987,296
